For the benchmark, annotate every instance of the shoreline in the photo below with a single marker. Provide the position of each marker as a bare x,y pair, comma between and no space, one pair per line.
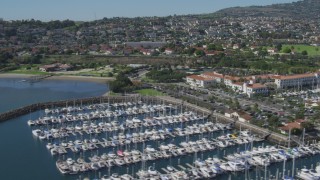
101,80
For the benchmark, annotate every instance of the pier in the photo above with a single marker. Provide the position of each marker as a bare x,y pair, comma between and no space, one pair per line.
272,136
34,79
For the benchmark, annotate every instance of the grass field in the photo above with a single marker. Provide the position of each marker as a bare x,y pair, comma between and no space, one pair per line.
312,50
32,72
150,92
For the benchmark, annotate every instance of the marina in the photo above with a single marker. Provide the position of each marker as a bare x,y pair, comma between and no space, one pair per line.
131,137
96,140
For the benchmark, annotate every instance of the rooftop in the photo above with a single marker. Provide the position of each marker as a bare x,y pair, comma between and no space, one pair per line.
200,78
256,86
295,76
292,125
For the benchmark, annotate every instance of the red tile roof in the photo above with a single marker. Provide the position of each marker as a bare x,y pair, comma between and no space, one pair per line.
292,125
213,74
234,78
296,76
245,115
256,86
197,77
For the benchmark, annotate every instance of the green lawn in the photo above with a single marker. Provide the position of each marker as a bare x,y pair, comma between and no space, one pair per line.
150,92
114,94
33,72
312,50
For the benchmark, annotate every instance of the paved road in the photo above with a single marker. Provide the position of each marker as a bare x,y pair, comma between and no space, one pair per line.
254,128
262,105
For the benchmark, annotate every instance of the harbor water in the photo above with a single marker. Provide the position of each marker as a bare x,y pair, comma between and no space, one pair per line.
23,156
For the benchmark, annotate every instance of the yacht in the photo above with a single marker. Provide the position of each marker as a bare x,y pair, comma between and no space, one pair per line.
226,167
31,123
94,166
49,146
236,166
315,173
152,171
36,132
261,160
120,153
69,161
74,169
119,162
305,174
318,168
62,167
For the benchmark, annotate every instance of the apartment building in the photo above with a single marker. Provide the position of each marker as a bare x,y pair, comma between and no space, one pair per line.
297,80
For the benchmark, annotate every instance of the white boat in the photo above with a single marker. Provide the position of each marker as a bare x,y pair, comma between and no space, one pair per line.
31,123
36,132
315,173
94,166
205,172
318,168
261,160
69,161
62,167
236,166
49,146
74,169
78,142
305,174
226,167
119,162
152,171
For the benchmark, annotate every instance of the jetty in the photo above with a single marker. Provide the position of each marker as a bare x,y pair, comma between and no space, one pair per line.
269,135
34,79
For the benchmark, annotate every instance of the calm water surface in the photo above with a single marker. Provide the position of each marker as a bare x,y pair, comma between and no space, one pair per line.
22,156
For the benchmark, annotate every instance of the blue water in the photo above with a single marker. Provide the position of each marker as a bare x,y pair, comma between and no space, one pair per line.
22,156
14,93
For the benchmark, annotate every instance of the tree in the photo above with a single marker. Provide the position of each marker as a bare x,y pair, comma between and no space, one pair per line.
121,84
211,47
279,47
296,131
287,50
307,125
304,52
199,52
262,53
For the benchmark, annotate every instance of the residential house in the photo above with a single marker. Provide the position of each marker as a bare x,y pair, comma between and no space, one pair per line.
228,80
253,89
47,68
271,51
216,76
55,67
199,81
237,86
168,51
292,125
147,52
238,115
